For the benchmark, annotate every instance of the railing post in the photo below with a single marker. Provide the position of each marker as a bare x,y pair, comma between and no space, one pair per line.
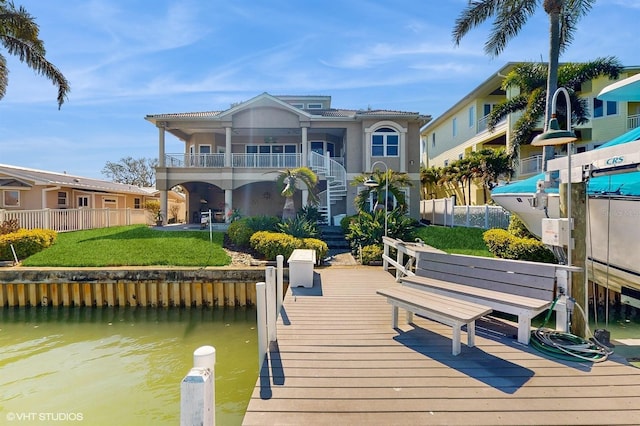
197,390
271,303
261,321
486,216
468,219
279,283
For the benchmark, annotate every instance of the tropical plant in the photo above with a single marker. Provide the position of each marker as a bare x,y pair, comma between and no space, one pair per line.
299,227
530,79
429,177
367,228
510,16
290,180
394,180
19,36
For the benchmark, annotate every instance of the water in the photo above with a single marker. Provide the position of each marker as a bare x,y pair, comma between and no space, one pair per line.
120,365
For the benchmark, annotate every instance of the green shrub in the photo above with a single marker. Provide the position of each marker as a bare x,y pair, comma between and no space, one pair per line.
507,246
319,246
271,244
517,228
26,242
345,222
311,214
371,253
299,227
9,226
368,228
241,230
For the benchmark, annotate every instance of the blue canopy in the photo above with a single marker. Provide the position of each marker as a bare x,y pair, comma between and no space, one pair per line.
623,184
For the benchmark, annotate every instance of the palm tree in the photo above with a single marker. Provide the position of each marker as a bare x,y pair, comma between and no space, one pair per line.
290,180
530,78
395,180
19,36
510,16
491,165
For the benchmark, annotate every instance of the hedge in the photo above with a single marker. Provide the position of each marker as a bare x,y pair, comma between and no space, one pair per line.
26,242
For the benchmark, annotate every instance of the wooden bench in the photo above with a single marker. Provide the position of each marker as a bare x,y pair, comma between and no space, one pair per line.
447,310
520,288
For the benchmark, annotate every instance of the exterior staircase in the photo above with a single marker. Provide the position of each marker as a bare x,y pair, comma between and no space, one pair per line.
336,177
334,237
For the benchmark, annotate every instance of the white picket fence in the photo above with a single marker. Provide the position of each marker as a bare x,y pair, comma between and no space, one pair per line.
75,219
444,212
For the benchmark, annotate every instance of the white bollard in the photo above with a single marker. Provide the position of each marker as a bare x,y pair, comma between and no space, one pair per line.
279,283
197,390
271,303
261,321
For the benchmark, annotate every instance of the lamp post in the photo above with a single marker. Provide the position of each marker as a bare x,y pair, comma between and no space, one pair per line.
372,183
553,135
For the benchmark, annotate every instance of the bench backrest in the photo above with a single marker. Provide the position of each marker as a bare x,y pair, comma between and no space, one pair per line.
530,279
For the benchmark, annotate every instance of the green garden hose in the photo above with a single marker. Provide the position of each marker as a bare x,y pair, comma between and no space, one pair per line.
567,346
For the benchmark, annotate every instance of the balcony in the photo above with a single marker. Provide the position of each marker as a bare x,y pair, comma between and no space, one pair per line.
246,161
531,165
633,121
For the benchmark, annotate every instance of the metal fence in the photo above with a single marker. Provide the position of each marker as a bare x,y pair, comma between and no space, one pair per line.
444,212
75,219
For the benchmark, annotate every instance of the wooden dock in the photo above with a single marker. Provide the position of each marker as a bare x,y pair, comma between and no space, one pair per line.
338,361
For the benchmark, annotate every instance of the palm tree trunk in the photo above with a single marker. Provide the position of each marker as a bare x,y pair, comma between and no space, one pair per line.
553,8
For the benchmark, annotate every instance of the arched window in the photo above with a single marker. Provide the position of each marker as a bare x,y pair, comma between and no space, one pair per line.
385,142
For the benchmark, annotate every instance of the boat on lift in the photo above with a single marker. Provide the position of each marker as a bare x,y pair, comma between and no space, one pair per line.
612,175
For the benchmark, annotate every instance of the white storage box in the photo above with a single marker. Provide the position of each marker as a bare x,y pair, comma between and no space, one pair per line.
301,264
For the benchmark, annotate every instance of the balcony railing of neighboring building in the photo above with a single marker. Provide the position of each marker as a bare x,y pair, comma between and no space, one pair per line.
633,121
531,165
481,126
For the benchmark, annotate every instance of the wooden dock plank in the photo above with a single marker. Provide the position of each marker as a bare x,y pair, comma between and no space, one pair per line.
337,360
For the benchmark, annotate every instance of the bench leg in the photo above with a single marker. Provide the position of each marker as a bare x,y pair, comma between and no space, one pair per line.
409,317
524,329
471,334
394,316
455,349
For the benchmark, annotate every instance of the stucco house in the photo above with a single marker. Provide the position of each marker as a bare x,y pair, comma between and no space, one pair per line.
25,193
463,127
231,157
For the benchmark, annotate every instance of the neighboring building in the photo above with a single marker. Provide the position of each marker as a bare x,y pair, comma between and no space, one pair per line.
462,128
231,158
23,189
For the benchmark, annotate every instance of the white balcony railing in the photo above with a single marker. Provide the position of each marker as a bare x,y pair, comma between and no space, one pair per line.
237,160
531,165
633,121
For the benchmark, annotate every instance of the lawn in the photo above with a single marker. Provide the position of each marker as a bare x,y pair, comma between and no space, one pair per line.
457,240
136,245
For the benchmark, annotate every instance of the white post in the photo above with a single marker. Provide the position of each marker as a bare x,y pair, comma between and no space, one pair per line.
261,321
270,278
468,219
197,390
279,283
486,216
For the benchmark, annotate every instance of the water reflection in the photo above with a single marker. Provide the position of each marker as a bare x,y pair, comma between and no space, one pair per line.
121,365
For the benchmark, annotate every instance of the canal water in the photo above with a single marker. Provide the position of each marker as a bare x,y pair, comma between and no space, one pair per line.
120,366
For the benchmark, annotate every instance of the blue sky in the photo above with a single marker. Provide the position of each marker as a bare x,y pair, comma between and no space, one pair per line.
129,58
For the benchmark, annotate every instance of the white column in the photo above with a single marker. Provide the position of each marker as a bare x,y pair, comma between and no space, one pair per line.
161,159
164,201
227,147
403,152
228,204
305,148
305,197
367,151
